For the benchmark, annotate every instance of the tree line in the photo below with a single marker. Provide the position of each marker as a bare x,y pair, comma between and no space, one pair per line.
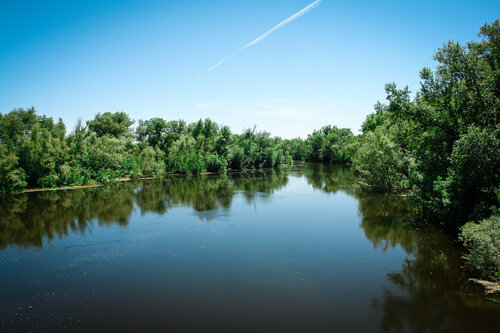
442,146
35,151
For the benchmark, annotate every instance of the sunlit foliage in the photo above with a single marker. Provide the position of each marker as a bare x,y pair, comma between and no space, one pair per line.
443,145
35,152
482,240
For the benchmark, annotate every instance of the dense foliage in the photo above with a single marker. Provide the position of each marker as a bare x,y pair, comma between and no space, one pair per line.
330,144
442,145
35,152
483,242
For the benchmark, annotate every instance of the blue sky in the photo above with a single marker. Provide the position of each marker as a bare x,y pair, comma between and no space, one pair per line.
73,59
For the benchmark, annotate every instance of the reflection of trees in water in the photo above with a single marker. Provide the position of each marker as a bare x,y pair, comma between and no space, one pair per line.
431,292
386,221
259,184
27,219
328,178
436,296
152,197
201,193
210,192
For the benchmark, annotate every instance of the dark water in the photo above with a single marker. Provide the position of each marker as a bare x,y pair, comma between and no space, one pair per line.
304,250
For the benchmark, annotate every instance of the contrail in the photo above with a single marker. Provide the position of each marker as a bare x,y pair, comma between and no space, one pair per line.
255,41
282,23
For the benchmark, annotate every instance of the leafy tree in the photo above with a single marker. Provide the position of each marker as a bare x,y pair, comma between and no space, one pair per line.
468,191
215,163
16,124
482,241
381,162
223,141
152,160
153,131
12,178
446,137
114,124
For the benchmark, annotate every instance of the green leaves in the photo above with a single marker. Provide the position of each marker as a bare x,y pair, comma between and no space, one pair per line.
113,124
187,163
482,240
215,163
381,162
12,178
36,152
444,144
330,144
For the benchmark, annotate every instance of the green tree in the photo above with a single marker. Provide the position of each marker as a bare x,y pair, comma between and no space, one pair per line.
114,124
482,240
443,143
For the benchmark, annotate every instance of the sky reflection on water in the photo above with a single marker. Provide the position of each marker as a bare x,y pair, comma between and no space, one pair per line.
300,250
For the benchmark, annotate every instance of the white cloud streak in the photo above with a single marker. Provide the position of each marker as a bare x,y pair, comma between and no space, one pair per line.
282,23
255,41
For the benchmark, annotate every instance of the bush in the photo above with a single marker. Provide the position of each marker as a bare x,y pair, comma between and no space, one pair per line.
236,156
152,161
482,240
189,163
49,181
381,162
215,163
105,176
12,178
473,175
105,153
72,174
130,166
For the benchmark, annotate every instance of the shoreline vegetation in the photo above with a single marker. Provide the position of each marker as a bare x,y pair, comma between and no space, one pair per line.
439,146
62,188
118,180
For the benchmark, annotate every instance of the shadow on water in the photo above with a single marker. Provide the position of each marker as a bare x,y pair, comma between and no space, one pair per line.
430,293
328,178
30,219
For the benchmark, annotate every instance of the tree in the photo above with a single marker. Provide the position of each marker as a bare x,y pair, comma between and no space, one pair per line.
114,124
153,131
447,135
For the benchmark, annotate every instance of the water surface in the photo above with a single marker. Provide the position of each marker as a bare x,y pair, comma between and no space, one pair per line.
265,251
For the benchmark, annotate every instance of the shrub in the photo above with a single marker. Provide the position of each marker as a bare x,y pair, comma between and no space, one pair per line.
469,190
236,156
189,163
71,174
12,178
215,163
482,240
51,180
105,176
152,161
381,162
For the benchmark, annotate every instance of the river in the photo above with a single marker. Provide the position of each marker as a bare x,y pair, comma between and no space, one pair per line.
301,250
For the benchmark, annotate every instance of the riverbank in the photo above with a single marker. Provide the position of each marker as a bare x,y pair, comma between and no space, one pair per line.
126,179
81,186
